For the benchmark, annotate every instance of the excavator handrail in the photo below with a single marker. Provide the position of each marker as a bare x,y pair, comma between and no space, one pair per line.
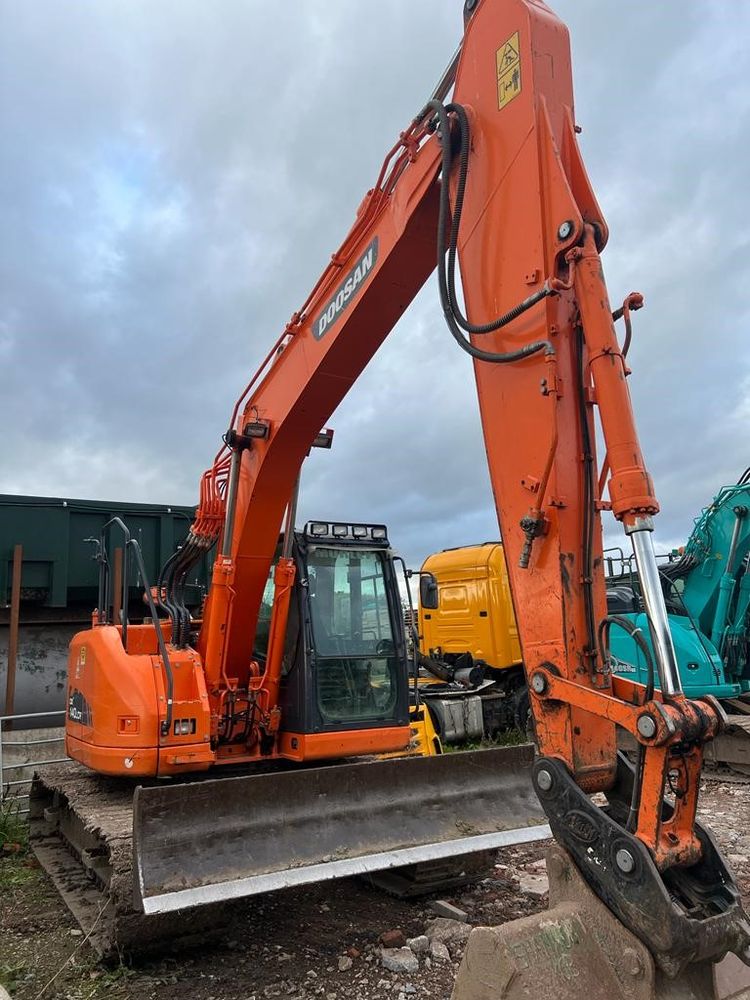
101,555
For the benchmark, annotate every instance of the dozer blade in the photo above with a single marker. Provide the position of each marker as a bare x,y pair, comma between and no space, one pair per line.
220,839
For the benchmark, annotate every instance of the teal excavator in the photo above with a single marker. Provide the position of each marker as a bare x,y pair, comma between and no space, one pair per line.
707,592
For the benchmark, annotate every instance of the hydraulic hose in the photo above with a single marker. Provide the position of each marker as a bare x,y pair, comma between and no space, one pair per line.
636,635
446,268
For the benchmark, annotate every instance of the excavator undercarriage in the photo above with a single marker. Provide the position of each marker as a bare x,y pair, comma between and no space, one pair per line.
143,866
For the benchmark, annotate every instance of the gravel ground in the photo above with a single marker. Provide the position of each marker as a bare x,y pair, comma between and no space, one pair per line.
302,944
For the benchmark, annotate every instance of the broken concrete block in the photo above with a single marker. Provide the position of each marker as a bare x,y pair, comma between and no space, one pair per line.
399,960
448,910
535,886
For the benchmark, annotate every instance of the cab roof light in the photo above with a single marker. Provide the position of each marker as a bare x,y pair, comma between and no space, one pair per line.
257,429
324,439
318,529
379,532
340,530
360,531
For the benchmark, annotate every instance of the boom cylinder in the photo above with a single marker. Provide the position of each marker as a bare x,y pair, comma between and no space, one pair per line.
630,487
727,583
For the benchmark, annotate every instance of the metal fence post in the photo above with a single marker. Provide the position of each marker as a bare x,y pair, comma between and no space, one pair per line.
15,611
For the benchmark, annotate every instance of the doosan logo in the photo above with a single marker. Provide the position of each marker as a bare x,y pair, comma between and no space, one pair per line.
346,290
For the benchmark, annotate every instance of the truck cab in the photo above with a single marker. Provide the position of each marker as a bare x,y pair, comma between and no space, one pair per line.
473,610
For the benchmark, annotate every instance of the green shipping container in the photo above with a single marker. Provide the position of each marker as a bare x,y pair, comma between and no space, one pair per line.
59,580
59,570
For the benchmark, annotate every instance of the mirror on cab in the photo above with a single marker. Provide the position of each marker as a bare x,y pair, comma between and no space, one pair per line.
428,591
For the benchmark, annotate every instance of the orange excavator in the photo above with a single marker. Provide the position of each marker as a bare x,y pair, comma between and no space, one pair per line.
493,180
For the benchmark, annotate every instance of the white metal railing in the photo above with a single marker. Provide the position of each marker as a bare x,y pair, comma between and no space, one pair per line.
5,786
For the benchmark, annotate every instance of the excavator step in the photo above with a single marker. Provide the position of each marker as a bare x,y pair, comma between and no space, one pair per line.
147,867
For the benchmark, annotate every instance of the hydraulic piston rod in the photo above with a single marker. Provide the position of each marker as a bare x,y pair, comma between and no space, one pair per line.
656,611
234,476
727,583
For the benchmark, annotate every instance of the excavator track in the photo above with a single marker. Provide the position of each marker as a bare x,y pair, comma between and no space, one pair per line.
732,747
82,834
145,867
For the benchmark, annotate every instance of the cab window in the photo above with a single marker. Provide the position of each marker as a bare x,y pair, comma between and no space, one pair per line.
356,665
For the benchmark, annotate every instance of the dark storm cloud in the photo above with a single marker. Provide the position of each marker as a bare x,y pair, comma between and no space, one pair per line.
176,173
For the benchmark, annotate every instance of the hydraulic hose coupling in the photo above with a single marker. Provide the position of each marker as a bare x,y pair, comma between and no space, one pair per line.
532,526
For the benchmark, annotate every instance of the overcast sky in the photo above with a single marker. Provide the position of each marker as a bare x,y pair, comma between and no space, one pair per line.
176,173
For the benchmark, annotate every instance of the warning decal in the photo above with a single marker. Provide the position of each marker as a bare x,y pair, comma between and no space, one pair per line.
508,71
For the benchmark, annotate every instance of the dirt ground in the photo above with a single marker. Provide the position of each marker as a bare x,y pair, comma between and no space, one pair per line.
299,944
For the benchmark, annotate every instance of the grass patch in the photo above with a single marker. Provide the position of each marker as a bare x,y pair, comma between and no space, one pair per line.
111,977
11,975
14,830
511,738
15,871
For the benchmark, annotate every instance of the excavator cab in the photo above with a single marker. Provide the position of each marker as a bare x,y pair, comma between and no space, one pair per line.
345,664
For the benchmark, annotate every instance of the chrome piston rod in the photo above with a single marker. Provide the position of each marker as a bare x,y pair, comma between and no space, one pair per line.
234,478
656,610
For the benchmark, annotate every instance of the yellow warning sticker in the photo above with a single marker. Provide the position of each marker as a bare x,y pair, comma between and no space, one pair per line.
508,71
82,656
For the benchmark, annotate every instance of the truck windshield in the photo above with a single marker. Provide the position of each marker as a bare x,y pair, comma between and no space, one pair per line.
356,665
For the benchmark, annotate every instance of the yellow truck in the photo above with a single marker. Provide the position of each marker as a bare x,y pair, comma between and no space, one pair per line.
466,617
